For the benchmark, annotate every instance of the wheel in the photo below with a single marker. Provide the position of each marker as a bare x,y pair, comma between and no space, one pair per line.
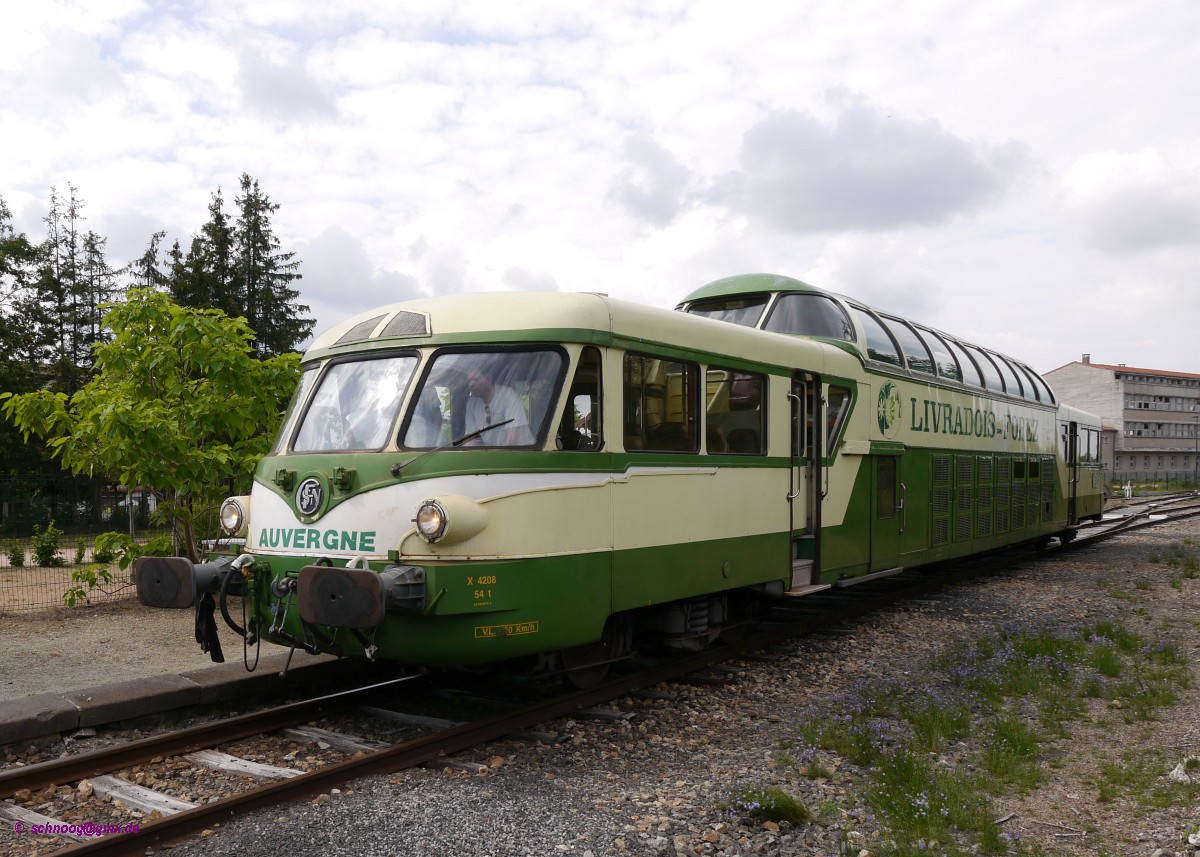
586,666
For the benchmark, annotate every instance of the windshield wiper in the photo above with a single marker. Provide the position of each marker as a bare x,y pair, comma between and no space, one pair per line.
458,441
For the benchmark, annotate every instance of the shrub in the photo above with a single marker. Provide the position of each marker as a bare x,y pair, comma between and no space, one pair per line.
45,546
16,553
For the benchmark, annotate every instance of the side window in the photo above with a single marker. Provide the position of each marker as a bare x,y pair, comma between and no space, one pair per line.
969,370
660,398
581,424
918,356
990,376
1011,382
947,367
1043,392
735,419
837,408
880,346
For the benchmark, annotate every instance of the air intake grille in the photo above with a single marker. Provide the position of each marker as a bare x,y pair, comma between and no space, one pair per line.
360,331
406,323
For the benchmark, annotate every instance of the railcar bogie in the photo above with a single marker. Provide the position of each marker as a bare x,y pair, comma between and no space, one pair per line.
473,479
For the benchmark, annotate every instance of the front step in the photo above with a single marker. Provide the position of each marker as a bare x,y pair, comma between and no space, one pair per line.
806,589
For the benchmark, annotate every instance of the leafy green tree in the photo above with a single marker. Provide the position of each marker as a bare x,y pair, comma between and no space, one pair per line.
178,403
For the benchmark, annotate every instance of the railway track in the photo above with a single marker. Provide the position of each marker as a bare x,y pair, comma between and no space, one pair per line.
194,748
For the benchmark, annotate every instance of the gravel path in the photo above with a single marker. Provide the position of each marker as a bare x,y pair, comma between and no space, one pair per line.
651,786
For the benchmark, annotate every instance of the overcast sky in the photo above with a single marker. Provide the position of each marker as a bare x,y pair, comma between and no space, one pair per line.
1022,174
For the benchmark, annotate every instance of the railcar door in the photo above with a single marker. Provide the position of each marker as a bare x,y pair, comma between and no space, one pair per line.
1071,452
805,491
888,514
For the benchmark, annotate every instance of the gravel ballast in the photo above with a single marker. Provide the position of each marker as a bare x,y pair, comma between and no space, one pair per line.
652,785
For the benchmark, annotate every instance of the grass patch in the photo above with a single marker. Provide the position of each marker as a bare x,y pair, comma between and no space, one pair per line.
764,803
932,753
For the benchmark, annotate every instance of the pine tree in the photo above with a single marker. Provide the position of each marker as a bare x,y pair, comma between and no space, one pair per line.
263,275
19,354
71,275
238,268
144,270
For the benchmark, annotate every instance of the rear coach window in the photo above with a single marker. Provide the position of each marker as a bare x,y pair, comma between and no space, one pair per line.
735,416
660,404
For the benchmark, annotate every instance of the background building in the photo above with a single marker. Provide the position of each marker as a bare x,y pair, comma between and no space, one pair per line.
1151,418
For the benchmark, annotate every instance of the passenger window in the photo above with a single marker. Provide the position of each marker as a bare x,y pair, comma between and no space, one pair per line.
969,369
1011,382
942,358
880,346
660,404
991,377
1039,385
735,418
580,427
915,353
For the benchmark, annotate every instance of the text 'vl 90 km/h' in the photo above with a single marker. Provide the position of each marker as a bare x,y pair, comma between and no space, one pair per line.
479,478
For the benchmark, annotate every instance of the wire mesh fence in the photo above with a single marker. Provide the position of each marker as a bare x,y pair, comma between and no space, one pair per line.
29,588
35,574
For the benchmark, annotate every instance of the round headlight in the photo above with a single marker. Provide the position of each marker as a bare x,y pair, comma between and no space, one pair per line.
233,516
431,521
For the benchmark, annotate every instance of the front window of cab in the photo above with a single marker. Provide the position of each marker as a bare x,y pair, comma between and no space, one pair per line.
745,311
474,399
355,404
293,412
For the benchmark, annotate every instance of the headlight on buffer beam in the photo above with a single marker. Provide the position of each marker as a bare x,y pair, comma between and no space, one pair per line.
450,519
235,516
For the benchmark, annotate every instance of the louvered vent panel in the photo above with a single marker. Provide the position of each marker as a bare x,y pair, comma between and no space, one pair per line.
941,531
1002,520
983,526
941,501
406,323
360,331
962,528
985,469
1004,469
941,470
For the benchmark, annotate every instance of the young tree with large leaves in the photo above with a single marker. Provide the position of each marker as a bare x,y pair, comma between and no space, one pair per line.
179,402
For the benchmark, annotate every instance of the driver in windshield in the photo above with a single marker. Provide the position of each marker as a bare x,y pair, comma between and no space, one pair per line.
492,403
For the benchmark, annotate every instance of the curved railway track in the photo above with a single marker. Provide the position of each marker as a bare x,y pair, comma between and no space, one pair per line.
783,621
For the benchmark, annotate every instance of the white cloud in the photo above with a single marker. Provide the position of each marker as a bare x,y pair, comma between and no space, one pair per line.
868,170
998,170
1130,202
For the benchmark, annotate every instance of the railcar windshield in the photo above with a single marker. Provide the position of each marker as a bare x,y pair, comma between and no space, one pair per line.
293,412
745,311
485,398
355,404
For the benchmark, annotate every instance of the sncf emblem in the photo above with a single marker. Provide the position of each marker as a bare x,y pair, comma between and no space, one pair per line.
309,497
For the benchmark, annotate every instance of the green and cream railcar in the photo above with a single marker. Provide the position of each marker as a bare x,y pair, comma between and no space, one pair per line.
961,449
478,478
